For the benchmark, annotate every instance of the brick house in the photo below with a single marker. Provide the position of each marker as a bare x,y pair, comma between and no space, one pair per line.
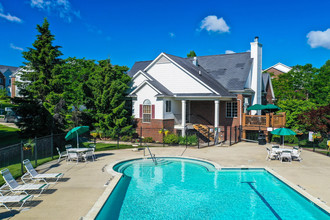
278,69
177,93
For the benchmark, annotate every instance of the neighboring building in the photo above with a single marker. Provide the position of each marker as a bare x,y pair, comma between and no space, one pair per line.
176,93
268,96
15,77
278,69
7,71
2,81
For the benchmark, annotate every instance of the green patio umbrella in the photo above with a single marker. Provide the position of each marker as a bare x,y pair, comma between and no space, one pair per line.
283,132
271,107
256,107
75,132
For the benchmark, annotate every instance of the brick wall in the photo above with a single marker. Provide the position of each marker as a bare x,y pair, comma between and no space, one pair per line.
152,129
274,71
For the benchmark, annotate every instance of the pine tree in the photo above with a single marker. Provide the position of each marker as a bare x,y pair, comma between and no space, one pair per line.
191,54
41,97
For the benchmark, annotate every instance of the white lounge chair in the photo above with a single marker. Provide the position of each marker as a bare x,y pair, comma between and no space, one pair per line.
33,175
14,199
271,155
16,188
286,155
61,154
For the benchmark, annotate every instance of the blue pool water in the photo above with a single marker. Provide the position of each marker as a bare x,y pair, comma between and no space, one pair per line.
190,189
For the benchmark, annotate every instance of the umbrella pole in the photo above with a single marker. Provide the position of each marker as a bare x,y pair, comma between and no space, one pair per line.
77,140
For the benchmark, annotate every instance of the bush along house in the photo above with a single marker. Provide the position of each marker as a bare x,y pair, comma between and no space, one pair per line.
213,92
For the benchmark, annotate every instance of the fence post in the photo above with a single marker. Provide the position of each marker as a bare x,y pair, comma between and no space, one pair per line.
230,136
35,152
140,136
198,141
185,130
208,137
163,138
235,134
52,145
240,133
22,157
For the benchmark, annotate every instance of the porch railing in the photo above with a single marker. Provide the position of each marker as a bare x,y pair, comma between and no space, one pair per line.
268,120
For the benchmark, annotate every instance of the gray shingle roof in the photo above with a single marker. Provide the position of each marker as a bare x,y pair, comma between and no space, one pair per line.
220,72
140,65
4,68
231,70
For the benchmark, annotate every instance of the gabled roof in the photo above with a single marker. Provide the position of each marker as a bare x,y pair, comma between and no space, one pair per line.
4,68
222,73
280,67
266,79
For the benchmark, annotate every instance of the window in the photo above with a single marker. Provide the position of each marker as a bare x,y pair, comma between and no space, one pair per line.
146,111
231,109
168,106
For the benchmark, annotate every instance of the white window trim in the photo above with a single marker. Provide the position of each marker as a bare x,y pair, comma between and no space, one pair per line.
143,104
232,109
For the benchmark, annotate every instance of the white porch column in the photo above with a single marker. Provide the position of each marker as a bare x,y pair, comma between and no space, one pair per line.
183,117
216,113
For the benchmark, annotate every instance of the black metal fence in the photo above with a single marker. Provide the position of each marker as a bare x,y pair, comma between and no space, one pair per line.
33,149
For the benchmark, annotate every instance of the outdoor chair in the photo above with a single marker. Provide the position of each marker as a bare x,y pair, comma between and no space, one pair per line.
33,175
68,146
93,146
14,199
275,146
16,188
296,154
87,154
285,155
63,154
73,156
271,155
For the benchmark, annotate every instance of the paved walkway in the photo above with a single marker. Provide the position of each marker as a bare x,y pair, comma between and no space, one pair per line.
84,182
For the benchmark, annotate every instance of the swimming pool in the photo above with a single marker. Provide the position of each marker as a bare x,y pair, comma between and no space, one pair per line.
192,189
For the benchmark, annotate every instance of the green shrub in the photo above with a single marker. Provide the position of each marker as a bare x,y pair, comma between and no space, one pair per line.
287,139
126,138
192,139
323,144
171,139
147,140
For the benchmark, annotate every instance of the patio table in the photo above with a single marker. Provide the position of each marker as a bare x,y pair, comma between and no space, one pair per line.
79,151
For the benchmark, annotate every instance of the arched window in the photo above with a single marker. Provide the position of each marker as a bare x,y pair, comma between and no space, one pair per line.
146,111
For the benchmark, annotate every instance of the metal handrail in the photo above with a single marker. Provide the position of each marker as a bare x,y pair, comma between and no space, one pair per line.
151,155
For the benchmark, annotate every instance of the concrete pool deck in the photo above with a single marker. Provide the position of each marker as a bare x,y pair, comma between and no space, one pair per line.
84,183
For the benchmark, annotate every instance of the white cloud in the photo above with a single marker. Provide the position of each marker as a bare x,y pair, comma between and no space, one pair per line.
60,7
93,29
15,47
319,39
172,35
8,16
212,23
229,52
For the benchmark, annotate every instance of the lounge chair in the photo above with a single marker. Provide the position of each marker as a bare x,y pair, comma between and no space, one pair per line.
33,175
271,155
61,154
16,188
68,146
14,199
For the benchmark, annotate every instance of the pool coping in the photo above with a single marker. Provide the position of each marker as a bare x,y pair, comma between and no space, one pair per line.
116,176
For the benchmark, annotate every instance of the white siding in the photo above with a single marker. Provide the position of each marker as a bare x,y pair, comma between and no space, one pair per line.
146,92
138,80
175,79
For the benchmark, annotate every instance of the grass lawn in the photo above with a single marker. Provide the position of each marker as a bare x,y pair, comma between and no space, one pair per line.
8,136
102,146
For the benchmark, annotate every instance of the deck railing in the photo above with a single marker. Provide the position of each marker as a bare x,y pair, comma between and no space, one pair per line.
268,120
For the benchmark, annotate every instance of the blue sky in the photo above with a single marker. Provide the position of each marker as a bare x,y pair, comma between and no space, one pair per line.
292,32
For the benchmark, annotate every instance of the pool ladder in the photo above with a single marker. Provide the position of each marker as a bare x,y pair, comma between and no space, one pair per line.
151,155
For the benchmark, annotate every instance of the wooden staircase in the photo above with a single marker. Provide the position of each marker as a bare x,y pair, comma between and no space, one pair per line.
204,130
